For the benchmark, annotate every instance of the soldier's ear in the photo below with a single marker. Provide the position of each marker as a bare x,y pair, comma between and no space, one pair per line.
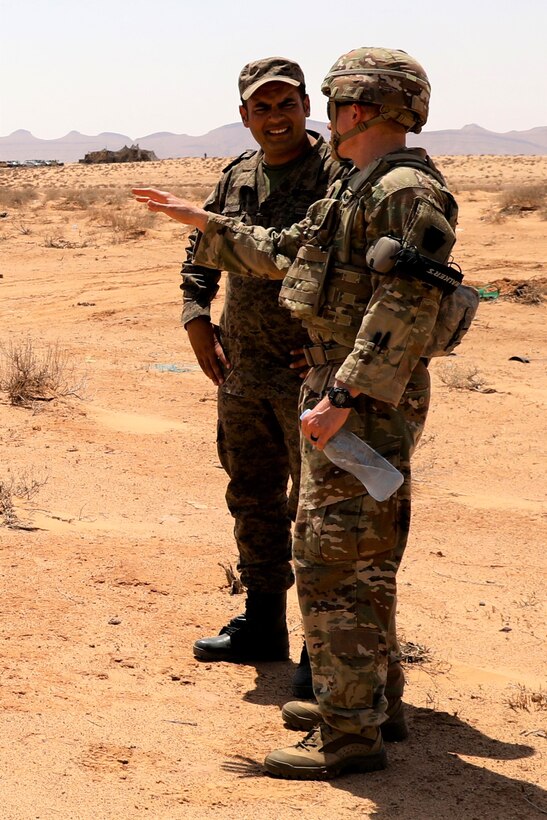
244,115
306,104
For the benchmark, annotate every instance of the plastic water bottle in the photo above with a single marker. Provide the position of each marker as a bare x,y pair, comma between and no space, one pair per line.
380,478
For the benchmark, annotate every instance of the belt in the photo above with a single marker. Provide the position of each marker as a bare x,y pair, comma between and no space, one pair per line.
323,354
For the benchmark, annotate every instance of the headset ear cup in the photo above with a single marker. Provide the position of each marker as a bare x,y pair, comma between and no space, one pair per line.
382,254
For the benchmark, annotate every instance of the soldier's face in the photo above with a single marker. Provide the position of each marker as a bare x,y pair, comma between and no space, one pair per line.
276,116
345,120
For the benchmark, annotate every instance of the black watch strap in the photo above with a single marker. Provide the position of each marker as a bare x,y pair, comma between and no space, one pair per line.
340,397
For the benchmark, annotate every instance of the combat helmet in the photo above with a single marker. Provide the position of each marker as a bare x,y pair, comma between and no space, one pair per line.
390,79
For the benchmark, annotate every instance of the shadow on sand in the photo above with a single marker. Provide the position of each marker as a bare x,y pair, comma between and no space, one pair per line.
427,777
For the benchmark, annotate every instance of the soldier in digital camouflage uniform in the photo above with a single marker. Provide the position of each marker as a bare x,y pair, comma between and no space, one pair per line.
371,336
258,427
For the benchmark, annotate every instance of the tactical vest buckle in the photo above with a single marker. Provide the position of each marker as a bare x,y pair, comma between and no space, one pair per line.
316,355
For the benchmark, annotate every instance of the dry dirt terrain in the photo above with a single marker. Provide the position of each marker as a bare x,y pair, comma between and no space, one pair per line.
113,529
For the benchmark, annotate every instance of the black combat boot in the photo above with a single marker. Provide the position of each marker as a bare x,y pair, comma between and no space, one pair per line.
395,727
260,635
302,686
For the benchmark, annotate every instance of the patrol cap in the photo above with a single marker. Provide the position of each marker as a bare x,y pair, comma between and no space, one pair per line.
269,70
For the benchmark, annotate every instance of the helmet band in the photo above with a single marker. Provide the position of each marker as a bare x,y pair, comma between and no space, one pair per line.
389,72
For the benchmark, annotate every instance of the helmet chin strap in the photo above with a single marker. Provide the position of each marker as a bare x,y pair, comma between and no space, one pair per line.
385,114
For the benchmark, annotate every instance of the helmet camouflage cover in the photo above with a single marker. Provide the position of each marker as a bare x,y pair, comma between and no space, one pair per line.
391,79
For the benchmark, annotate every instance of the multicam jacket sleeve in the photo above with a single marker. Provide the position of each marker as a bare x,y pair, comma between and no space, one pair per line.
249,249
402,312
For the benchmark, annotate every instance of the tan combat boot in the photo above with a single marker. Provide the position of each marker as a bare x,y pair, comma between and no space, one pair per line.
325,753
304,716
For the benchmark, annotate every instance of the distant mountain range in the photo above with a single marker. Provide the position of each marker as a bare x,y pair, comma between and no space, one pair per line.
231,140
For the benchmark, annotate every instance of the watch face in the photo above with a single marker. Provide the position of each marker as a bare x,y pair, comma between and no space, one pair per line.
340,397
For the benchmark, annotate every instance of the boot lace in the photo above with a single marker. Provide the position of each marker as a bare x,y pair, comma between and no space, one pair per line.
237,623
229,629
312,740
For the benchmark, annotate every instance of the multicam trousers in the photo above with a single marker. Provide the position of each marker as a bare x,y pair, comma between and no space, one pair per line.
346,557
258,446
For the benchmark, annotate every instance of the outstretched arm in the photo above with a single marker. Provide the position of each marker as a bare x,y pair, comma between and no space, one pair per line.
181,210
227,243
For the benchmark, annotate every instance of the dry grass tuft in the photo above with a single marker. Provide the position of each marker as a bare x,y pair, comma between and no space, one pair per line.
64,244
234,582
17,197
124,226
524,197
8,515
82,198
85,197
527,293
30,376
459,376
414,652
523,698
195,192
23,488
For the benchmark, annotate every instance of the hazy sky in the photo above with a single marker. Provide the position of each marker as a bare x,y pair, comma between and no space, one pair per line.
136,67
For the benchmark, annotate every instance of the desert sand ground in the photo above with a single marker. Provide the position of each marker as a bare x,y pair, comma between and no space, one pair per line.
113,528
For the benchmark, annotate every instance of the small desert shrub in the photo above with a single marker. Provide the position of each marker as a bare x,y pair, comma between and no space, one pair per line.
195,192
523,698
63,244
17,197
24,488
524,197
459,376
54,242
124,225
414,652
234,581
494,217
85,197
52,194
472,186
29,376
114,196
527,293
23,229
82,198
129,226
7,509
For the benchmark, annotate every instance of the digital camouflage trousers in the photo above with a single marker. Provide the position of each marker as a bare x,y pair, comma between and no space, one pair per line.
258,446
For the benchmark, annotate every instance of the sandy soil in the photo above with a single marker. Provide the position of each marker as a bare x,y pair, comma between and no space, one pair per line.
110,568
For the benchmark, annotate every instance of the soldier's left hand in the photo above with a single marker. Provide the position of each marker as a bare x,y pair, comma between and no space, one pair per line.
181,210
299,362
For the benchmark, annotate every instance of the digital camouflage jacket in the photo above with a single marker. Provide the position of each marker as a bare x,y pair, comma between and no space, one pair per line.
256,332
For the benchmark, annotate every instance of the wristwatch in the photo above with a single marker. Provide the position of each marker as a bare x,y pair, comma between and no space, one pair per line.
340,397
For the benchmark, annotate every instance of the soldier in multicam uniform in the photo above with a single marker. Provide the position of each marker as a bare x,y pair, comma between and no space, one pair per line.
248,356
372,333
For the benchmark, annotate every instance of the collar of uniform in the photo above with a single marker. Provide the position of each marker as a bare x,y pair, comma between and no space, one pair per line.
249,166
358,178
313,156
